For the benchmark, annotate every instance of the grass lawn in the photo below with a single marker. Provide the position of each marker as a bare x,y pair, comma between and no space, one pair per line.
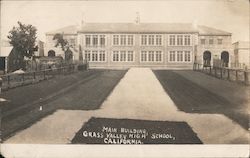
193,92
83,91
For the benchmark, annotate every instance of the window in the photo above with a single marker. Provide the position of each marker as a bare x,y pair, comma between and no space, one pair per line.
172,56
102,40
123,39
158,40
158,56
211,41
87,40
172,40
187,40
130,40
150,39
187,56
203,41
151,56
143,39
87,55
179,40
95,40
143,56
219,41
94,56
123,56
102,55
179,56
115,55
130,56
115,39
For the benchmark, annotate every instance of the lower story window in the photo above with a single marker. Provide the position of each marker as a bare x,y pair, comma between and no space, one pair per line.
179,56
122,55
130,56
96,56
172,56
187,56
143,55
115,55
151,56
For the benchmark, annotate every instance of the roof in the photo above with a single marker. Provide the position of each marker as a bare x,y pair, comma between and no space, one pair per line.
5,51
204,30
70,30
139,28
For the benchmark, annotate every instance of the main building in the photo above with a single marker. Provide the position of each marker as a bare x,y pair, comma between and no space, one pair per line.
154,45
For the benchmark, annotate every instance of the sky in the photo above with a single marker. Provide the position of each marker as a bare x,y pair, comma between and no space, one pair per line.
227,15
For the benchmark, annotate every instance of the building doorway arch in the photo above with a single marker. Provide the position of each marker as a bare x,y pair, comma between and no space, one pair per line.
225,58
51,53
207,58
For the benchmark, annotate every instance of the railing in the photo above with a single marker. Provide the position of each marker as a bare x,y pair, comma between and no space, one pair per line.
15,79
237,75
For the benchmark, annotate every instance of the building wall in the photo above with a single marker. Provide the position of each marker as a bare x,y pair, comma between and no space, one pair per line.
215,48
137,48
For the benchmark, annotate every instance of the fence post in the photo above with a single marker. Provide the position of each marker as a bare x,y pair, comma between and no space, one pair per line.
1,84
246,78
34,75
8,78
215,71
228,74
236,75
44,75
210,71
221,75
23,77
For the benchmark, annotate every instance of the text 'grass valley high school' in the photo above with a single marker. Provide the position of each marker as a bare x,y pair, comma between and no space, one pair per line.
154,45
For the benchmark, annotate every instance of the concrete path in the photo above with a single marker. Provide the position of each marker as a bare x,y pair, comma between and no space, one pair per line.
139,95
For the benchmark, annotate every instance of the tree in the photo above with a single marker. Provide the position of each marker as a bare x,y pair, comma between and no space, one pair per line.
23,39
64,44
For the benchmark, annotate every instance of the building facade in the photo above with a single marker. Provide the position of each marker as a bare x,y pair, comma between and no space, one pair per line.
242,54
154,45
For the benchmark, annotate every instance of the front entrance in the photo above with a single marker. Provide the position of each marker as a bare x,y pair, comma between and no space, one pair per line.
207,58
225,58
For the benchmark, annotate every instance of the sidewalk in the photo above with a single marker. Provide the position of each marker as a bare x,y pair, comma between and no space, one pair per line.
139,95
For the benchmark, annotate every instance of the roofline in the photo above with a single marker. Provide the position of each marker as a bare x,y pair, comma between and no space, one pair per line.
63,33
135,32
229,34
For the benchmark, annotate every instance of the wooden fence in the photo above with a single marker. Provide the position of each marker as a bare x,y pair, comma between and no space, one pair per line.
236,75
14,79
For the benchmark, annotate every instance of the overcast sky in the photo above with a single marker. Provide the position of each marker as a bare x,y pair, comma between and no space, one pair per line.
228,15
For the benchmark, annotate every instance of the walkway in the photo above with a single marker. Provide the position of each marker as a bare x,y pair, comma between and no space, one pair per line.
139,95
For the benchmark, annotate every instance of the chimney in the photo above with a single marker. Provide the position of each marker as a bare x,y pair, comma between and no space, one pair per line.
137,20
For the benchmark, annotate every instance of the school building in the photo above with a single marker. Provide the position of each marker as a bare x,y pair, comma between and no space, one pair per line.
154,45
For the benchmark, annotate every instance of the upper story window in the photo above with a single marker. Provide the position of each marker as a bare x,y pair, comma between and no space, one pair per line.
158,40
115,39
130,56
211,41
219,41
143,39
102,40
179,40
203,41
172,56
150,39
95,40
130,39
123,40
187,40
172,40
87,40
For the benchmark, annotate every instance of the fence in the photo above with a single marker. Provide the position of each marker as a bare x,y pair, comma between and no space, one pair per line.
15,79
237,75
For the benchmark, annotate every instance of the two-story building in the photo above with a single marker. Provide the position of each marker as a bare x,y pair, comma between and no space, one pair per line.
154,45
